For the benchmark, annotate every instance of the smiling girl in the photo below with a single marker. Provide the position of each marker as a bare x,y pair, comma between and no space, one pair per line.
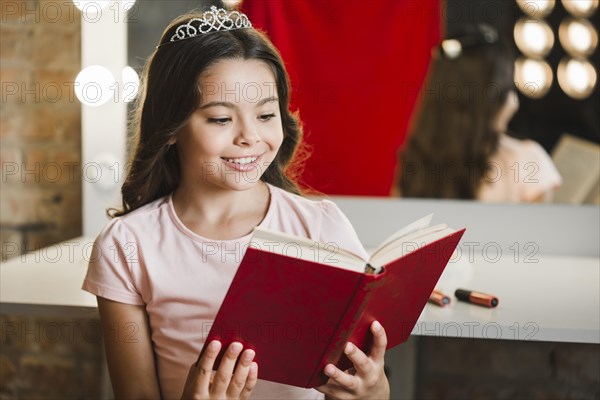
214,140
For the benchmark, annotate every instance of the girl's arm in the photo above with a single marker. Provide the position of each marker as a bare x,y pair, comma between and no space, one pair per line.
128,350
131,360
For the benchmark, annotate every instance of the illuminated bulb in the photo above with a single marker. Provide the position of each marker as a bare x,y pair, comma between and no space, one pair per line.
580,8
231,3
533,77
578,37
577,77
533,71
91,5
131,84
94,85
533,37
536,8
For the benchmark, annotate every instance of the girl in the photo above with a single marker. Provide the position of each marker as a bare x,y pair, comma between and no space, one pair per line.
458,146
213,146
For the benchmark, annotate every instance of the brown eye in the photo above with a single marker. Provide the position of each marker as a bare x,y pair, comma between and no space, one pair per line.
219,121
266,117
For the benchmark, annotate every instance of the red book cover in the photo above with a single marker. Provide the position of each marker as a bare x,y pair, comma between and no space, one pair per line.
297,315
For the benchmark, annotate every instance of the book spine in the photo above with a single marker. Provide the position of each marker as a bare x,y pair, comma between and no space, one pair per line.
334,352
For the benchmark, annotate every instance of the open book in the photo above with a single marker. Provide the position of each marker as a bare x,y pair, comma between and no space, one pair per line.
297,302
578,162
407,239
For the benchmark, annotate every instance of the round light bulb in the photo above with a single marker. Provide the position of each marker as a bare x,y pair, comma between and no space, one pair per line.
580,8
131,84
91,6
94,85
536,8
533,71
533,37
577,78
105,172
533,77
231,3
578,37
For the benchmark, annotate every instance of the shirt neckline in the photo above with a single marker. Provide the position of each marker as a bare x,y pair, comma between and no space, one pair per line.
193,235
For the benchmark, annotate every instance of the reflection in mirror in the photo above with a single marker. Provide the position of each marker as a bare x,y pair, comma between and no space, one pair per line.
578,161
148,19
543,116
458,146
146,22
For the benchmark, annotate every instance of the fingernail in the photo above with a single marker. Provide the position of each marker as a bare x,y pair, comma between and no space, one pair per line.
329,370
249,355
214,345
376,326
349,347
235,347
253,367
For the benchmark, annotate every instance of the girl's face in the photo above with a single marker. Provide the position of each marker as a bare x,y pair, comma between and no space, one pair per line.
235,133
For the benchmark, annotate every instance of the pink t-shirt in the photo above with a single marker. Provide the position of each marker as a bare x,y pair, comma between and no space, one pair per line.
520,171
149,257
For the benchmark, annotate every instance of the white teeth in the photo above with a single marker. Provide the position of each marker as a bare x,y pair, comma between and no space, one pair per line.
244,160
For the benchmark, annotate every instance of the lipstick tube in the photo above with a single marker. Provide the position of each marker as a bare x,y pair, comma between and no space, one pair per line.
439,298
481,299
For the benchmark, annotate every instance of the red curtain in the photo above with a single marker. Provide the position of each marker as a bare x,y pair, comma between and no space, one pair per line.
356,69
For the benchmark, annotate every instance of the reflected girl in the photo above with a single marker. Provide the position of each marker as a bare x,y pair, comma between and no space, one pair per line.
458,146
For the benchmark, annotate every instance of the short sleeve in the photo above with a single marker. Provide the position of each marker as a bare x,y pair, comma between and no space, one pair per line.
109,273
337,228
539,172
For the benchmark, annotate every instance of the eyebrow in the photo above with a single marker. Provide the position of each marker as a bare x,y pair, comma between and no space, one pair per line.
231,105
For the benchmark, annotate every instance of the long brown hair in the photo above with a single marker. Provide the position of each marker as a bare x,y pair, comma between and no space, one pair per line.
169,95
452,137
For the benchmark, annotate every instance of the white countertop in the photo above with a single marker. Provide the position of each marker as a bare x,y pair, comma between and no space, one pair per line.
51,276
554,298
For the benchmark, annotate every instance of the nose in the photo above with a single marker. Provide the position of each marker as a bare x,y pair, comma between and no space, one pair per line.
248,134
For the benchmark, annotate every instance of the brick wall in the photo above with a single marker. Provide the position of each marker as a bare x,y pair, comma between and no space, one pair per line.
40,200
50,357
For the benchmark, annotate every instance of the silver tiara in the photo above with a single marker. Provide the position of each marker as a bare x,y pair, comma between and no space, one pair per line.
215,20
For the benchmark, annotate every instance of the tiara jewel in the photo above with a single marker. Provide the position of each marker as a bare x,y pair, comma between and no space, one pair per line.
215,20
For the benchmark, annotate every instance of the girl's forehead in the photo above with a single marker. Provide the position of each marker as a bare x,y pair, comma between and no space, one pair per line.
238,80
232,68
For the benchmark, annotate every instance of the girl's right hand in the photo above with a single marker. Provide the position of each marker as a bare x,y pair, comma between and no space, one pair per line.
225,383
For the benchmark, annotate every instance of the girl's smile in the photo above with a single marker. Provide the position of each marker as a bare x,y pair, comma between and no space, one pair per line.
244,164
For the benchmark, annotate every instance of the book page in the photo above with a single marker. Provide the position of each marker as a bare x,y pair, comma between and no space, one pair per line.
578,162
302,248
407,230
408,244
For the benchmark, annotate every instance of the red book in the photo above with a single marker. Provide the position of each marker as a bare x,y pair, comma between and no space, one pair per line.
298,303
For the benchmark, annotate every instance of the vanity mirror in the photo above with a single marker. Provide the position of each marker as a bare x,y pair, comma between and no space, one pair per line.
549,119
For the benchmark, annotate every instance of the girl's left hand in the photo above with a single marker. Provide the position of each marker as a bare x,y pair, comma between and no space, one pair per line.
367,379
